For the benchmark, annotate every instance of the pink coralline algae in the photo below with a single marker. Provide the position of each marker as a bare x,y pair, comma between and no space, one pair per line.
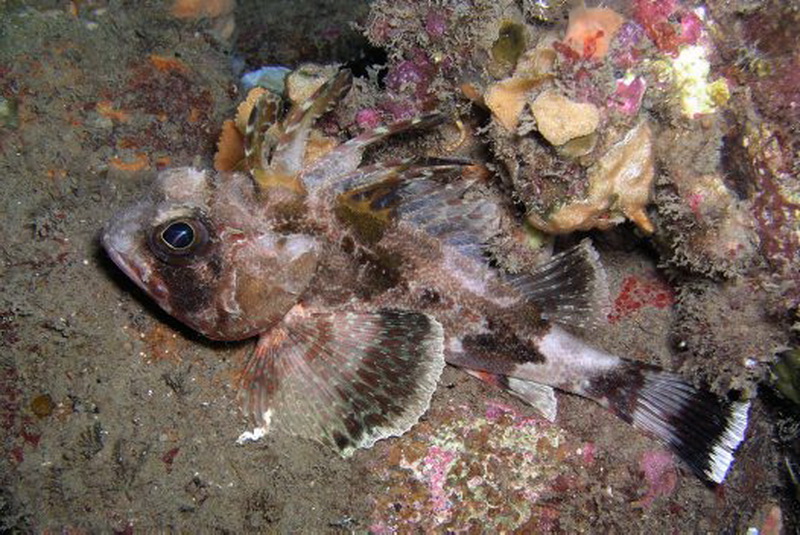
406,73
778,92
777,214
659,471
399,109
496,411
588,451
412,74
408,83
668,24
691,28
484,471
628,97
368,118
434,469
435,24
628,45
638,292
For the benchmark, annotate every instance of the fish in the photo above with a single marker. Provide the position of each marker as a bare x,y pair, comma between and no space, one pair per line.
362,281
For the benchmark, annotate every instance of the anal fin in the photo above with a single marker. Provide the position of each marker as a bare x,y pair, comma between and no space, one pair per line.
540,397
345,379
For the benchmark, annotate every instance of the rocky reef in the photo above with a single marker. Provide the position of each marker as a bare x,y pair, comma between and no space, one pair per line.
664,130
632,112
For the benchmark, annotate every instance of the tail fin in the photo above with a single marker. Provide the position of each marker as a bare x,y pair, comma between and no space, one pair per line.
703,429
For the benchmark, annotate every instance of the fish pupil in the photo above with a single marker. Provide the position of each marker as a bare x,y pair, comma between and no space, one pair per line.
178,235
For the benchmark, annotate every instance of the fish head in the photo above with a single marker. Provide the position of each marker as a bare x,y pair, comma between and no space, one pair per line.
204,246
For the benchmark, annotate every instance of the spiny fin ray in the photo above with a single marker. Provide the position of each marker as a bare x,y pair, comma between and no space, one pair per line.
288,156
327,171
259,137
430,195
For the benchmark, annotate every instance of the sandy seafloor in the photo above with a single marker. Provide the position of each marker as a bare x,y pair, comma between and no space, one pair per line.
114,417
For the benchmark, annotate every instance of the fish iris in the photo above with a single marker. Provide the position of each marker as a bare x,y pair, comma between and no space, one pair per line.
178,235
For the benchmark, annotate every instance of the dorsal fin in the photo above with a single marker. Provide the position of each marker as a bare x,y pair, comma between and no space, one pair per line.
287,158
378,172
431,195
447,210
260,137
328,170
570,288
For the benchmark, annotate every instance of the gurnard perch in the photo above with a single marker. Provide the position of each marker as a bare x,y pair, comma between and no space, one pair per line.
362,281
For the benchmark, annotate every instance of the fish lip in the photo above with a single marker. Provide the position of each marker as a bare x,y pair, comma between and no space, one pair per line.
154,286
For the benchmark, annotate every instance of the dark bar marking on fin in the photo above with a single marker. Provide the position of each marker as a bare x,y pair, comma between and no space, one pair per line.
258,143
570,288
701,428
345,379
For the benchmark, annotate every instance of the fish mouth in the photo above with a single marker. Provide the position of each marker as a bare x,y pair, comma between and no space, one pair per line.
137,272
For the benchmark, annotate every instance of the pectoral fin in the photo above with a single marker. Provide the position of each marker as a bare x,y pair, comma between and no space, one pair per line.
345,379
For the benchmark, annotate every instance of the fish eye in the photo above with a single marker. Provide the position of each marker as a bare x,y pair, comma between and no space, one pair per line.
179,241
178,235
